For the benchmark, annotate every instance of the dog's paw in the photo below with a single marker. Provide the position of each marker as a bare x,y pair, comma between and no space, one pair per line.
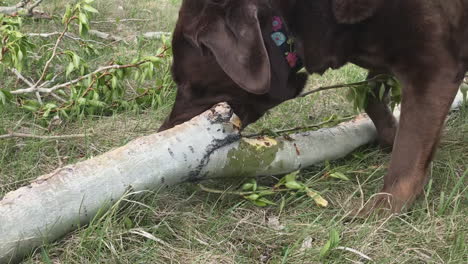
381,205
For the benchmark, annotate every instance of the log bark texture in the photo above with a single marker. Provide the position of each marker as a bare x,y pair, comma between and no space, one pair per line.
208,146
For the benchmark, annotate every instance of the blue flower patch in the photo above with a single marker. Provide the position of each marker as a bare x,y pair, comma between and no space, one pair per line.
279,38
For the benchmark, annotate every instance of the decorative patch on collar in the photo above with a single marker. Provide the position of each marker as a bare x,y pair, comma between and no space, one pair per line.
286,43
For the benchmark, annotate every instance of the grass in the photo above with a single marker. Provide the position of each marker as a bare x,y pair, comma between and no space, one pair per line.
186,225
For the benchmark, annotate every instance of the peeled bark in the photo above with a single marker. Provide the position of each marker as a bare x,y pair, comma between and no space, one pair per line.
208,146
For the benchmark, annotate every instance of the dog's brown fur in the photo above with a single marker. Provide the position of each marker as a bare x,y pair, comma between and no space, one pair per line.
223,52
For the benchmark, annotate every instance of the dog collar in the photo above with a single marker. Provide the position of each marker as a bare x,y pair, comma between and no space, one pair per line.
286,43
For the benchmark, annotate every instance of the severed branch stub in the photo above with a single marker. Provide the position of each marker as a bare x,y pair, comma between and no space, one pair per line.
208,146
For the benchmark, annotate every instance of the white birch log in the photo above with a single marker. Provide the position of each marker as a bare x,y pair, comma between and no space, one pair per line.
207,146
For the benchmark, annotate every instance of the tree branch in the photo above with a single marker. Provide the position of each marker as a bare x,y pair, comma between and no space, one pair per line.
295,129
336,86
22,8
68,35
23,135
54,52
59,86
21,77
120,20
34,5
110,37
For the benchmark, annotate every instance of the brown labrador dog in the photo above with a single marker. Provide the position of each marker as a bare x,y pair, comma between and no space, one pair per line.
230,50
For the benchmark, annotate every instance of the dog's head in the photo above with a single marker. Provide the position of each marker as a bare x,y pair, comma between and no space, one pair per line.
223,52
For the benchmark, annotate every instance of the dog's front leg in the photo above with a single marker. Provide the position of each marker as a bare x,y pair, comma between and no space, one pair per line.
381,114
427,96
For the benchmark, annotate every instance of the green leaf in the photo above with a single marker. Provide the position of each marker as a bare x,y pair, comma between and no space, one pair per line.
266,201
128,223
82,101
84,28
339,175
45,256
31,105
64,113
76,60
46,113
3,98
49,76
291,176
247,186
154,59
332,243
30,108
96,103
114,82
259,203
90,9
252,197
20,55
464,90
83,18
294,185
250,185
382,92
266,193
325,249
70,69
67,15
50,106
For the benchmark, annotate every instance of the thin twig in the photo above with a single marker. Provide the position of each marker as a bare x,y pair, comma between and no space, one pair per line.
104,35
23,135
120,20
22,3
210,190
58,97
18,123
147,35
39,98
345,85
57,152
21,77
54,51
68,35
362,255
44,84
319,125
34,5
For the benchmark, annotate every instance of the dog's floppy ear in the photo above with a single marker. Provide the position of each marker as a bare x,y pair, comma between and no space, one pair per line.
354,11
237,44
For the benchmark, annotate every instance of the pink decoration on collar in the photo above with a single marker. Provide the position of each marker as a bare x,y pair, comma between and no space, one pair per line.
292,59
277,23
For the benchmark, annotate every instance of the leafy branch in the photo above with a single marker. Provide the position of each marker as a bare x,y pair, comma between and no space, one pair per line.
359,92
330,121
100,91
257,195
